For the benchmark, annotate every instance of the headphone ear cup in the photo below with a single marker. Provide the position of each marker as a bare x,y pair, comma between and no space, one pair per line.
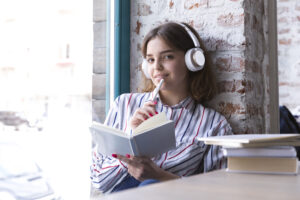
145,68
194,59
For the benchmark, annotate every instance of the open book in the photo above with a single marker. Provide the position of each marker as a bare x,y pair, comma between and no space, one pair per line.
253,140
154,136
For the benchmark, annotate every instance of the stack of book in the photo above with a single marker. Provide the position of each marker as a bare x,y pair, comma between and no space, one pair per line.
259,153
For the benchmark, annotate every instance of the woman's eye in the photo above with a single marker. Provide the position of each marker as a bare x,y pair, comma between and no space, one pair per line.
150,60
168,57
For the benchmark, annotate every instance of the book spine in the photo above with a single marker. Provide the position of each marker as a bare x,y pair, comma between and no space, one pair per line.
134,147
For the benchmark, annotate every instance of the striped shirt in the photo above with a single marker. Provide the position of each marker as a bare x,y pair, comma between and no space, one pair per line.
191,156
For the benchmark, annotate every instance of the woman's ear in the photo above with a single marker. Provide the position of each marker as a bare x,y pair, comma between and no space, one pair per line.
145,68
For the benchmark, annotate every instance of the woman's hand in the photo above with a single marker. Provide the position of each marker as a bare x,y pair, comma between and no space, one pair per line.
142,114
142,168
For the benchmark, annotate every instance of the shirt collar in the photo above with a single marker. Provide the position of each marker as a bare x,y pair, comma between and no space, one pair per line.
182,104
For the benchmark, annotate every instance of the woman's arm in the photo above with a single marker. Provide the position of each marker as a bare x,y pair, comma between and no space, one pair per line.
142,168
106,172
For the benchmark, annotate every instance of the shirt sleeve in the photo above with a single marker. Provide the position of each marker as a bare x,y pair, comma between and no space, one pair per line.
214,159
107,171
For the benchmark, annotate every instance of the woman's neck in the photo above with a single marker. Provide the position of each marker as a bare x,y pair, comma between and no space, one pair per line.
172,98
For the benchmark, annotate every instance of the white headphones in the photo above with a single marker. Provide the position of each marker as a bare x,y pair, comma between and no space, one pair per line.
194,57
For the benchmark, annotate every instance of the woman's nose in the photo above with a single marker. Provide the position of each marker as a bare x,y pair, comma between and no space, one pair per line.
158,64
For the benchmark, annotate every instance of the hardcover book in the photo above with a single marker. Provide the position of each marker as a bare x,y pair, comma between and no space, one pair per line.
154,136
266,165
253,140
270,151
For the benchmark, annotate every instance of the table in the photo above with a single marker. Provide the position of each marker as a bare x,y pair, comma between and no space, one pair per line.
218,185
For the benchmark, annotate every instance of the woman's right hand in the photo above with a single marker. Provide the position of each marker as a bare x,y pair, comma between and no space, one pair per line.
142,114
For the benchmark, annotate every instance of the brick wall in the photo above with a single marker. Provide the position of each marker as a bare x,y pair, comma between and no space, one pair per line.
235,34
99,60
288,12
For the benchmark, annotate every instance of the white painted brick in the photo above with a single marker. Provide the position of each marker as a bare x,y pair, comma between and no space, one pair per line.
99,60
289,59
99,9
98,112
221,36
98,89
100,34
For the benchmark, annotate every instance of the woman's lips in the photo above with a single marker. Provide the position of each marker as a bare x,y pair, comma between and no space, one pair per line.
160,76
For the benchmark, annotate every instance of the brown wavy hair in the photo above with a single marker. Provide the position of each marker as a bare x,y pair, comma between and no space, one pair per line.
202,85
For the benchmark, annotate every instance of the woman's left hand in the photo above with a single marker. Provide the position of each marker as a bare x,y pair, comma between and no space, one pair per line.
142,168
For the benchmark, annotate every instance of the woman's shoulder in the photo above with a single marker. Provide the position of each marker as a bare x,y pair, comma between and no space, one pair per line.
211,113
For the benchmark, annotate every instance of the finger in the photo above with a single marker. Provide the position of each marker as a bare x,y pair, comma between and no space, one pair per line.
142,115
125,159
150,103
150,110
141,159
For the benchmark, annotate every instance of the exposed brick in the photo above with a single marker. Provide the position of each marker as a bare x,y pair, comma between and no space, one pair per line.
284,30
291,84
281,10
285,41
144,9
138,27
191,4
197,24
224,32
171,4
213,44
235,86
138,47
231,20
230,64
230,108
283,20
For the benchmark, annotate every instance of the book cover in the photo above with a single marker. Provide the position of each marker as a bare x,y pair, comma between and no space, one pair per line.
268,165
253,140
271,151
153,137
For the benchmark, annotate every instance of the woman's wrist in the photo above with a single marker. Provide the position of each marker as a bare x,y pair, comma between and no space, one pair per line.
166,176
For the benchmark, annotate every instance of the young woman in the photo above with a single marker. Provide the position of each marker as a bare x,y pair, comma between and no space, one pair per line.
171,52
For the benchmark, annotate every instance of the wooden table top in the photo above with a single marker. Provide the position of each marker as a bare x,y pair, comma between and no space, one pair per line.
218,185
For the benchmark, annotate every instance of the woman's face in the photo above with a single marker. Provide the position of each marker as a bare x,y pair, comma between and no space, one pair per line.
165,62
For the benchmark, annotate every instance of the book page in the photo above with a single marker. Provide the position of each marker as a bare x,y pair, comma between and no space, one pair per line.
156,120
99,126
249,138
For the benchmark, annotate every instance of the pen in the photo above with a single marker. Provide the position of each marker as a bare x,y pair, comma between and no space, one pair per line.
156,90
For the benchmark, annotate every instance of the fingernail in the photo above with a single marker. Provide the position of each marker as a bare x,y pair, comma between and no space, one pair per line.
114,155
150,114
156,112
127,155
145,118
155,102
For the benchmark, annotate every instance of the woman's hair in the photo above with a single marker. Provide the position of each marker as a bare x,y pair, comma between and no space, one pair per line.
201,83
